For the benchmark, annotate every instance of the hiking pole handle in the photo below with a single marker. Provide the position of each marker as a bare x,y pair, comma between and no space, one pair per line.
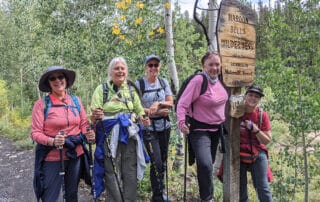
62,172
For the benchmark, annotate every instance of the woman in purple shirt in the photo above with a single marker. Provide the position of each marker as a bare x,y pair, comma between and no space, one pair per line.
204,114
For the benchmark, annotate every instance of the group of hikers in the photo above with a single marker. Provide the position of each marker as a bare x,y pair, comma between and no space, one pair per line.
130,125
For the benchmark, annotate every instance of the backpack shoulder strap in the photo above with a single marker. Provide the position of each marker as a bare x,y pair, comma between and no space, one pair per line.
131,84
47,104
142,86
105,92
162,83
75,102
204,84
260,116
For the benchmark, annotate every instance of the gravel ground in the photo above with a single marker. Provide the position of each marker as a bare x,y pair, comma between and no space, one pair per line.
16,175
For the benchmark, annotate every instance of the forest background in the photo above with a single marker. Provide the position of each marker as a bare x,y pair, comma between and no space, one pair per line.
85,35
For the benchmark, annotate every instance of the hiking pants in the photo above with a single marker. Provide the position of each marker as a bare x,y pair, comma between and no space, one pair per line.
156,144
126,169
204,145
258,172
53,181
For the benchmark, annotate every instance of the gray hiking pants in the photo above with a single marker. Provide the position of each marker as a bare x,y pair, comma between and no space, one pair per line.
126,169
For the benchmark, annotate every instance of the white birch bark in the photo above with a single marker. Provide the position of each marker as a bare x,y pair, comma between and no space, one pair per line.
170,46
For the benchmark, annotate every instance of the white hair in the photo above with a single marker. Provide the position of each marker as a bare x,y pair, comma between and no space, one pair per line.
113,63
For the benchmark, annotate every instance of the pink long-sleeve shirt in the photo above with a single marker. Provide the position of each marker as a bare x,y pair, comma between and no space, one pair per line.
59,118
208,108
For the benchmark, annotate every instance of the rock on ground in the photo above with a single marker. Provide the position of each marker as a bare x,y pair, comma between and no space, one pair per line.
16,175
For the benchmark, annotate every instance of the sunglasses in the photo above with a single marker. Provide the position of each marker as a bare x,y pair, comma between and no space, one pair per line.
156,65
53,78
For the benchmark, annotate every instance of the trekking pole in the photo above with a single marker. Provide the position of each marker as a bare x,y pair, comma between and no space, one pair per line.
166,133
91,168
62,173
185,168
187,122
167,180
109,155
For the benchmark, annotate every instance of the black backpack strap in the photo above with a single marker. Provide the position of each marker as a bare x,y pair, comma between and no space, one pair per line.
204,84
132,84
143,90
142,86
105,92
162,83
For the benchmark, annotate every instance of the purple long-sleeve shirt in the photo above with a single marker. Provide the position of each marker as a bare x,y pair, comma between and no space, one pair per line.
208,108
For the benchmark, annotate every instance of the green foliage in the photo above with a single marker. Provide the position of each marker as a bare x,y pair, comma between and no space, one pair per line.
81,35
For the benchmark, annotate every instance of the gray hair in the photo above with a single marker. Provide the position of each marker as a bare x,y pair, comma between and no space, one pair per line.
113,63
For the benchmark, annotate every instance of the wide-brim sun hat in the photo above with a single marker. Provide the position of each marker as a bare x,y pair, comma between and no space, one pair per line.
44,85
150,57
255,89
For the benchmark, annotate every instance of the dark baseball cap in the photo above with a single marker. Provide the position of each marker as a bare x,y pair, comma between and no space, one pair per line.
255,89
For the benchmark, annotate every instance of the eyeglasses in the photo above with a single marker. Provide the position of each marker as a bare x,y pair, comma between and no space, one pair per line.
156,65
53,78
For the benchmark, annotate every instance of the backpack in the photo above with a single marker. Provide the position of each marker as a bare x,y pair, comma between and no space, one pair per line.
185,83
130,85
48,104
143,90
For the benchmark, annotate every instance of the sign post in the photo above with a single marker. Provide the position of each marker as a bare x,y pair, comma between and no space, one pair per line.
237,46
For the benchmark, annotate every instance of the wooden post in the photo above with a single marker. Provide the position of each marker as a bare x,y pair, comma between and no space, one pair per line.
237,47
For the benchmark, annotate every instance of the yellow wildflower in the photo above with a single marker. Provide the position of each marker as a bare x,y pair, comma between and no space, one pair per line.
150,33
116,30
123,17
129,42
160,30
139,37
139,5
167,5
138,20
120,5
122,37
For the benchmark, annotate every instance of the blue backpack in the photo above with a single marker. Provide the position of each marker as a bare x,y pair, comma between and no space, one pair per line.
48,104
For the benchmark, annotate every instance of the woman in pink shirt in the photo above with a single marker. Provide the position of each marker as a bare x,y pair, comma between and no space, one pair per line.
59,123
200,117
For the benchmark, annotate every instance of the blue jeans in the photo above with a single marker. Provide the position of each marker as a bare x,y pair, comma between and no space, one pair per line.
258,172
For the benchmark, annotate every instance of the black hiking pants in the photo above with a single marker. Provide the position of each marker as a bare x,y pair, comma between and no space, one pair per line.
156,144
204,145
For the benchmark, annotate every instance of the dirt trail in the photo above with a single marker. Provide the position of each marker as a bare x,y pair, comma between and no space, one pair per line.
16,175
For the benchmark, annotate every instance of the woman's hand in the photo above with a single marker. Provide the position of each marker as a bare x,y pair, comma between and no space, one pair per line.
90,135
97,114
154,108
163,112
251,126
59,140
185,129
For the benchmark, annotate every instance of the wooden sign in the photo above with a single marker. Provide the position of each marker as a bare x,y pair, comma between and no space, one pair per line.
237,43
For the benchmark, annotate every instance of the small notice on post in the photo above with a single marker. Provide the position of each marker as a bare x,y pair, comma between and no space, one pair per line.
237,43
